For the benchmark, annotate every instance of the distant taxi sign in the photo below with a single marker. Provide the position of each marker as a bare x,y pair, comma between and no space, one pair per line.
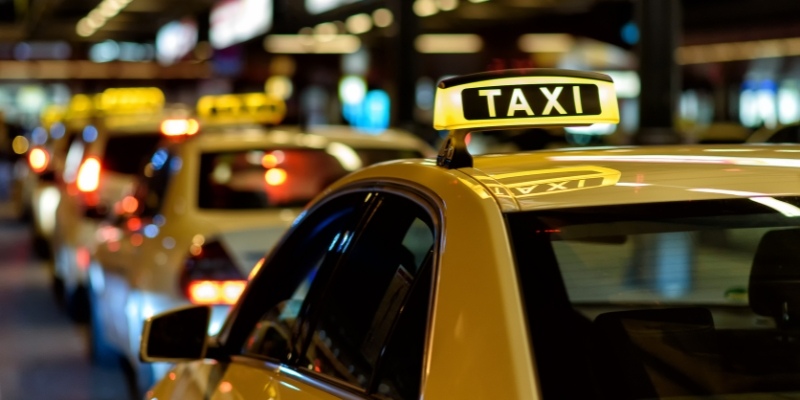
524,98
241,108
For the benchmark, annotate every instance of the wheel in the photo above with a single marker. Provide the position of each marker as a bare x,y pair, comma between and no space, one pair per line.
76,302
57,285
41,247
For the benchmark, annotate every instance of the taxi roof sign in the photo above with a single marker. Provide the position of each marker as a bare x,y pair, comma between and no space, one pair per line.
115,102
519,98
237,108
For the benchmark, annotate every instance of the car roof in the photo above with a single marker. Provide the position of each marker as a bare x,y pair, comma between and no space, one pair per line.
233,137
573,178
629,175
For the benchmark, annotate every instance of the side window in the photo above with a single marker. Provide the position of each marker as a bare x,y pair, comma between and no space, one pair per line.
283,284
151,190
362,307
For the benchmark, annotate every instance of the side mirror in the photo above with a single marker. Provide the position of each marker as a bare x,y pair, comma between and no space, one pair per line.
176,335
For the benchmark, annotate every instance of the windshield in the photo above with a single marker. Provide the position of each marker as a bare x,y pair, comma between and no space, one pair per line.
262,178
668,300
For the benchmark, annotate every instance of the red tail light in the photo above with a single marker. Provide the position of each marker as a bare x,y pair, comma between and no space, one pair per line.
89,175
38,159
211,277
215,292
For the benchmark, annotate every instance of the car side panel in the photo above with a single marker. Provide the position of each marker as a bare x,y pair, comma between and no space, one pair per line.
244,379
477,305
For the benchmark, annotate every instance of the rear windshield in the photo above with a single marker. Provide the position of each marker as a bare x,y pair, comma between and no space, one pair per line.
681,300
125,154
263,178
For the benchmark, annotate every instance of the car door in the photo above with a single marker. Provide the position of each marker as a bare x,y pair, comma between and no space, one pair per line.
340,310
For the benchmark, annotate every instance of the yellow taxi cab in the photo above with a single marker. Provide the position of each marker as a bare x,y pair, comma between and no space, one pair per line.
609,273
216,192
111,134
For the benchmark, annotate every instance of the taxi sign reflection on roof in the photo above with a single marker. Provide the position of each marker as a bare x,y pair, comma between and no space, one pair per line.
525,98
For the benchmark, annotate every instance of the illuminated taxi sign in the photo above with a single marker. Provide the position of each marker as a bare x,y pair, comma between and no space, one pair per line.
525,98
115,101
237,108
129,100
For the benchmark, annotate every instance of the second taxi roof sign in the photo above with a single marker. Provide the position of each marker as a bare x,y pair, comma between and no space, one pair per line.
524,98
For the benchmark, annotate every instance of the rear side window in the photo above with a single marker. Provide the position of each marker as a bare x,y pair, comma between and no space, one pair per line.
372,314
125,154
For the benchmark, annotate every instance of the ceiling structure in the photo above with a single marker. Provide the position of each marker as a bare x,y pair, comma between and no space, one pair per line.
704,21
137,21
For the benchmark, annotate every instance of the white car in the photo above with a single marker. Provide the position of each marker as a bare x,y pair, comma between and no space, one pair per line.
99,169
200,219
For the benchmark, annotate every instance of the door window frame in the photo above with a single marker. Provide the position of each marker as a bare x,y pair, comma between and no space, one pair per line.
233,333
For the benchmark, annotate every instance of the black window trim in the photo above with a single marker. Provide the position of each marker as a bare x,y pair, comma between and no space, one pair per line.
233,335
410,190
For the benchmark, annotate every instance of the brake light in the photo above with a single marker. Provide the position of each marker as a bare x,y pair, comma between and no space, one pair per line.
38,160
89,175
210,276
180,127
215,292
82,258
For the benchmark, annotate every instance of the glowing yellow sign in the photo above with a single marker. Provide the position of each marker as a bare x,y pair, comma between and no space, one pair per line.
129,100
237,108
116,101
525,98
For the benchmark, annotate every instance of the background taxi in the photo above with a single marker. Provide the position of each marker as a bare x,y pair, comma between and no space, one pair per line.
208,205
106,148
555,275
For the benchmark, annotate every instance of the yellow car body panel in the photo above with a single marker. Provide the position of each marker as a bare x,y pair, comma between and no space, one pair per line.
478,342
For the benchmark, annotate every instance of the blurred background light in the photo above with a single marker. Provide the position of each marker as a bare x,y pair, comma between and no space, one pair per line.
425,8
280,86
352,89
358,23
382,17
448,43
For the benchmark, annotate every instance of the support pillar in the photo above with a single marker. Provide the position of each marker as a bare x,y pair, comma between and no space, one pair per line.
659,32
406,62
